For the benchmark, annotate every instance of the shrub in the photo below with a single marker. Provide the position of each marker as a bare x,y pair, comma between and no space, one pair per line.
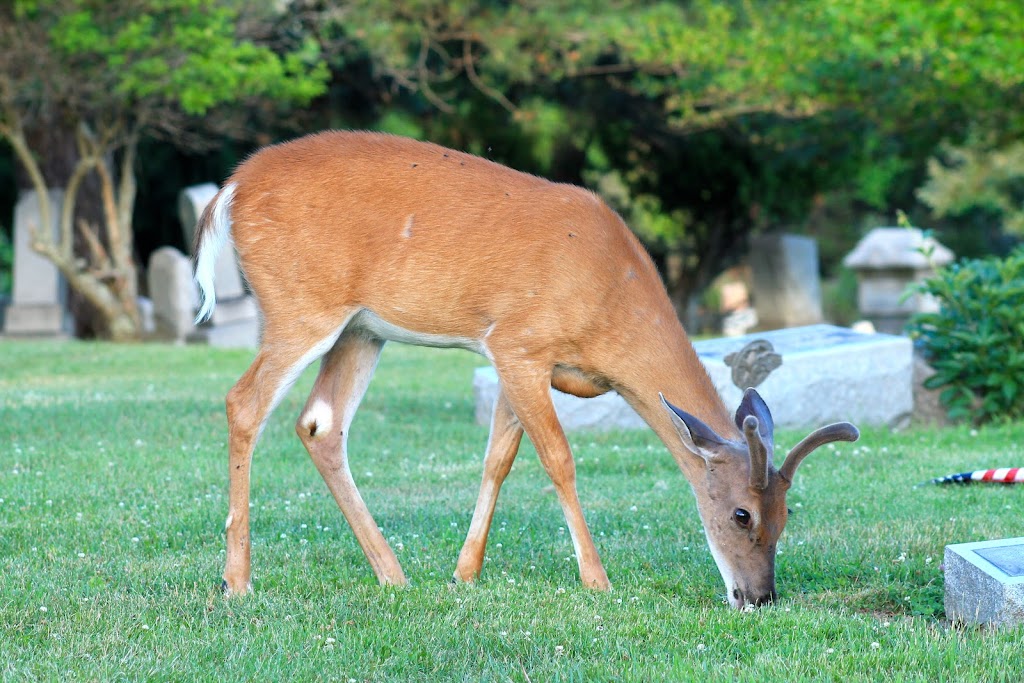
975,341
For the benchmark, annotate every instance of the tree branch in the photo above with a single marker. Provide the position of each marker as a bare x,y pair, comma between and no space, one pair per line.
424,77
66,245
126,193
100,258
474,78
11,129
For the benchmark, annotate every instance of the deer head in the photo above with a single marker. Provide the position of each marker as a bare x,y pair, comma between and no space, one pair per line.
742,496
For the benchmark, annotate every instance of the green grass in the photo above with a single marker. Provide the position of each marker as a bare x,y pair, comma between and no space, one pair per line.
113,479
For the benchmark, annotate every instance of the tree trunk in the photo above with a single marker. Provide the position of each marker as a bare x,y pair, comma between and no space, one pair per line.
102,289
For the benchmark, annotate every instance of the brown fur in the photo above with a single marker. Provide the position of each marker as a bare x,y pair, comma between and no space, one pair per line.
544,277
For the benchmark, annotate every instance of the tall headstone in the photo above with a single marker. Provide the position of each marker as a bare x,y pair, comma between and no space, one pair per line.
786,281
39,291
235,319
887,262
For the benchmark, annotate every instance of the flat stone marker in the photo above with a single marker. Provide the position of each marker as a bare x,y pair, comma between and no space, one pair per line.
985,582
827,374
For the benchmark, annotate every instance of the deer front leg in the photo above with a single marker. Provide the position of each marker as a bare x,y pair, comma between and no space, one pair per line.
502,446
529,396
323,426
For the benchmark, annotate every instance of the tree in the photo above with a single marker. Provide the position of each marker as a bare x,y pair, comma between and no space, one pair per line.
107,74
703,121
978,177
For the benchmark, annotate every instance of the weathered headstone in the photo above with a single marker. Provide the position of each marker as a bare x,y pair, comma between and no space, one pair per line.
887,261
825,374
146,321
985,582
235,319
786,282
173,293
39,291
192,202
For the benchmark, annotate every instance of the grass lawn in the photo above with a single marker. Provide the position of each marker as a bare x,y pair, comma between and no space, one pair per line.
113,494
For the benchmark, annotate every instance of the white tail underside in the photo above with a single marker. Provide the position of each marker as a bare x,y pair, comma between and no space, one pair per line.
209,249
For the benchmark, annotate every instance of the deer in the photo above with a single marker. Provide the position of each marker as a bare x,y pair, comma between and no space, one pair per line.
351,239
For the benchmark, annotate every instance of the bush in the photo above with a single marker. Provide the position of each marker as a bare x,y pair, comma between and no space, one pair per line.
975,341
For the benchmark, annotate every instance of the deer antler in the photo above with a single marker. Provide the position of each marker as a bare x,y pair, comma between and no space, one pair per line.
840,431
758,453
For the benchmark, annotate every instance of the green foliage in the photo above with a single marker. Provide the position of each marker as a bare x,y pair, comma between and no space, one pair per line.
839,297
975,341
978,176
708,119
186,51
137,61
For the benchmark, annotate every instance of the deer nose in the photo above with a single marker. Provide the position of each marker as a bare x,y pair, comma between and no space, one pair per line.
744,599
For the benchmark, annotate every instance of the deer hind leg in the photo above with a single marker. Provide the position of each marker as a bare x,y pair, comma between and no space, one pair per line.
249,403
345,373
528,393
502,446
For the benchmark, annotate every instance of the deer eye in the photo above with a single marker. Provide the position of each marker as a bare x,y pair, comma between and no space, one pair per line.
742,517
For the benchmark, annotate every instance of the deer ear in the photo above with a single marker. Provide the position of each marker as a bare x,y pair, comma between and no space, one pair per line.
696,436
753,404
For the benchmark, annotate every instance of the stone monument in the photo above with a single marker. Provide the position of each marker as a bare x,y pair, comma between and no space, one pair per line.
786,282
809,376
887,262
173,293
39,291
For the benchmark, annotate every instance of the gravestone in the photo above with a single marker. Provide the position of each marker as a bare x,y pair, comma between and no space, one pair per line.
887,262
786,282
145,308
235,319
823,374
173,294
827,374
985,582
39,290
192,202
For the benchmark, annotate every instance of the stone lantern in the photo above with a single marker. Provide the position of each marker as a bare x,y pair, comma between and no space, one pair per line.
887,262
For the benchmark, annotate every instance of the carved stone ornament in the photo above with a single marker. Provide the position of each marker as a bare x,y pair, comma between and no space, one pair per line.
752,364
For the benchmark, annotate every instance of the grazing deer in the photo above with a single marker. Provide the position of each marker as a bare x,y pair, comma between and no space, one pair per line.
352,239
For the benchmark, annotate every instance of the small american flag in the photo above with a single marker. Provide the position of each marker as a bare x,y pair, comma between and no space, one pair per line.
1002,475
